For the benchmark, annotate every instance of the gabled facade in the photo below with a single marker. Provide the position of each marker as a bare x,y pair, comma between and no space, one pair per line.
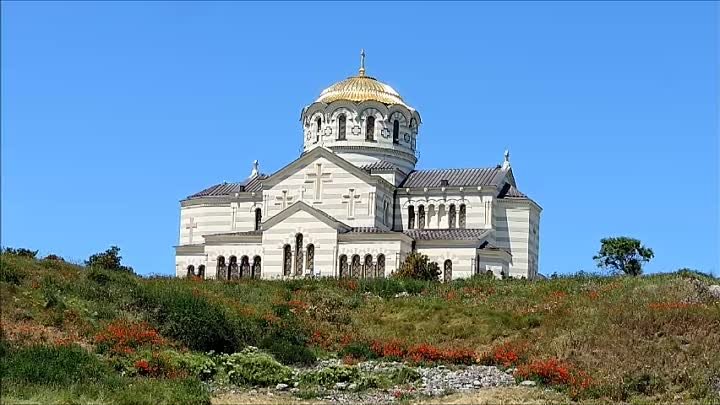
353,205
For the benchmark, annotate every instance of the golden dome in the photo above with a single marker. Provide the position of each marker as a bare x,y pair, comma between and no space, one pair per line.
361,88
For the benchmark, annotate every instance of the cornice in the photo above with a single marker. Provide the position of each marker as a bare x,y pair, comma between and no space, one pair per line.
385,236
190,250
410,157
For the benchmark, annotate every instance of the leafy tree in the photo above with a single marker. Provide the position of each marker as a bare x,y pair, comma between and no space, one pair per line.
22,252
623,255
417,266
109,259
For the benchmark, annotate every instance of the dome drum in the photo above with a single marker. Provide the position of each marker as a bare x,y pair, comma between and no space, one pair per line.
365,120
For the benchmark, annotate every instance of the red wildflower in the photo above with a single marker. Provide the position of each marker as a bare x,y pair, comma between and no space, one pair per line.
123,336
297,305
551,371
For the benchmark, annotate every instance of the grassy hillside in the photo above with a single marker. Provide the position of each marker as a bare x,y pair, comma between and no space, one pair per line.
75,335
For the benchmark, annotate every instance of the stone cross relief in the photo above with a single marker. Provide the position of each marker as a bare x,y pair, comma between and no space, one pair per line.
318,178
190,226
283,200
351,200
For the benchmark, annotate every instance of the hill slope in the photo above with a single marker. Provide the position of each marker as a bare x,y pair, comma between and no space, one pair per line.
592,338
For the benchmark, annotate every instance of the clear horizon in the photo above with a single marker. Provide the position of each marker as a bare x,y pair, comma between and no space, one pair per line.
609,110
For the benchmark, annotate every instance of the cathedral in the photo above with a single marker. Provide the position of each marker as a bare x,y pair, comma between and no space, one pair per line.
353,204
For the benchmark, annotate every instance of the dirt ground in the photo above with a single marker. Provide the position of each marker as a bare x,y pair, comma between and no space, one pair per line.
508,395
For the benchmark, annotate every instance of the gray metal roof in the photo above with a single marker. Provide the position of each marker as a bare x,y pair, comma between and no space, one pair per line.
446,234
223,189
379,165
509,191
454,177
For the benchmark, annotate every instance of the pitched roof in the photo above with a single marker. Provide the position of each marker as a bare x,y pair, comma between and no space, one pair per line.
510,191
224,188
301,206
447,234
379,165
454,177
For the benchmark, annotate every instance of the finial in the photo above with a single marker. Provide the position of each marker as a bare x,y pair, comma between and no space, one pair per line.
256,168
506,163
362,62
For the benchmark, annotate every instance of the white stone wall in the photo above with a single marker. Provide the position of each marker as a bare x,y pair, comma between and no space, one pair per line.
478,210
337,183
238,250
496,265
512,232
391,249
217,218
183,261
207,219
463,260
321,235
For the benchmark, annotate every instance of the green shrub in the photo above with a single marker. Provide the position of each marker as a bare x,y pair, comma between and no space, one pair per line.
252,367
20,252
417,266
404,375
196,364
389,287
10,271
287,340
192,319
53,365
291,354
358,350
329,376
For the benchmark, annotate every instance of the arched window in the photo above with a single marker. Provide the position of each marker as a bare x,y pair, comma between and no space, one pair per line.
431,214
343,270
258,218
201,271
244,267
421,217
221,270
396,131
342,127
368,267
233,268
190,271
461,222
256,267
287,260
319,129
413,123
380,266
447,274
310,258
411,217
452,216
298,254
355,267
370,128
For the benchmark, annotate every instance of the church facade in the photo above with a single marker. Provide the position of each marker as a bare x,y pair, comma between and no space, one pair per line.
353,204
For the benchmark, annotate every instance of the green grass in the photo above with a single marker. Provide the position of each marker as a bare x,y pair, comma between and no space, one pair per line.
652,338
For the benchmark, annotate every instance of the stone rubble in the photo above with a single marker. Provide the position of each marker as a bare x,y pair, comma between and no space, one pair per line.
434,381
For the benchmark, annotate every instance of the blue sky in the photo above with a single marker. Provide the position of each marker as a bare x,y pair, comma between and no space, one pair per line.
113,112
